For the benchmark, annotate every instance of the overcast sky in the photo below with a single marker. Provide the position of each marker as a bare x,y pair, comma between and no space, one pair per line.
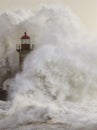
85,9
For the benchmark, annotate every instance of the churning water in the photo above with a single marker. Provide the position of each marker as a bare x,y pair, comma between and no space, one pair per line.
59,78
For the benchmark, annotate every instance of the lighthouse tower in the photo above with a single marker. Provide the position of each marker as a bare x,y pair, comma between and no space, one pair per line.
24,48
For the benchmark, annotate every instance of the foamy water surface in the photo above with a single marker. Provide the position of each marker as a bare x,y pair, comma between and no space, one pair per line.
58,83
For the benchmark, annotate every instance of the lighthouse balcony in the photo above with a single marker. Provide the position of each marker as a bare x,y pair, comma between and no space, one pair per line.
24,47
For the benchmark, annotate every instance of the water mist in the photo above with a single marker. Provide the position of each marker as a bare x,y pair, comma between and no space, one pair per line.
59,78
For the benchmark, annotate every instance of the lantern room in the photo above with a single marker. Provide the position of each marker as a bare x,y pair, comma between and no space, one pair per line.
25,39
25,43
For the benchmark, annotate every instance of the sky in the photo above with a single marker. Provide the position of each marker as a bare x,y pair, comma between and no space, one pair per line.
85,9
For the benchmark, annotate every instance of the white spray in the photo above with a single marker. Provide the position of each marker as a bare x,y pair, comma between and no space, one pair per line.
57,75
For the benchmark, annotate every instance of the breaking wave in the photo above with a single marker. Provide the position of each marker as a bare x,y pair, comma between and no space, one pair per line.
59,78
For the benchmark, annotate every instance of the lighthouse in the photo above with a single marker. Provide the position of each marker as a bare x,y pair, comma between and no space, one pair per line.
23,49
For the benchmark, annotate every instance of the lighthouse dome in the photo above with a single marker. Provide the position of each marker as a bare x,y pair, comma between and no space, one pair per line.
25,36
